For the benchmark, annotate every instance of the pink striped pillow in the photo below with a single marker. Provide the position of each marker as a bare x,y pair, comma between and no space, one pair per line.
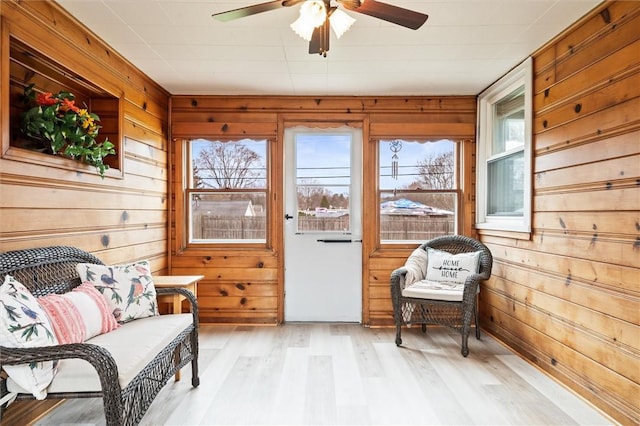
78,315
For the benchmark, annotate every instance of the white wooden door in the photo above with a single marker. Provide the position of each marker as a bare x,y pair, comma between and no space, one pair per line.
323,230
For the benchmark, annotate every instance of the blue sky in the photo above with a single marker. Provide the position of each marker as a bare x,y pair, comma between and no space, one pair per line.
327,154
408,156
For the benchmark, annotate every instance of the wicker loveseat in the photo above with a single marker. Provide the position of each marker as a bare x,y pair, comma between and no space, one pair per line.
127,379
450,306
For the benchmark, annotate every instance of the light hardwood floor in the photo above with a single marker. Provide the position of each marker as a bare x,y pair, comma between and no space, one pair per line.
344,374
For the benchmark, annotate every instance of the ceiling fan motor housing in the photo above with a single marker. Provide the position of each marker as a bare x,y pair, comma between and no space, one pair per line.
320,37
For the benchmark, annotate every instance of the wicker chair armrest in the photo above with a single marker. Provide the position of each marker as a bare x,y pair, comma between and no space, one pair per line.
98,356
471,285
188,294
484,275
398,277
397,284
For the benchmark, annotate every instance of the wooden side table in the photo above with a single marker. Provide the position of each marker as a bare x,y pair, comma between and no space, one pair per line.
190,282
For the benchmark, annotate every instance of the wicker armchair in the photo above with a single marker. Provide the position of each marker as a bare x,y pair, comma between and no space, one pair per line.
456,314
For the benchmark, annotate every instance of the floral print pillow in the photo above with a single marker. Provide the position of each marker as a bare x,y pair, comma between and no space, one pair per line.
128,289
23,324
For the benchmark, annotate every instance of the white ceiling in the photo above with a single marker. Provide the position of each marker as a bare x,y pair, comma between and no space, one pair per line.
464,46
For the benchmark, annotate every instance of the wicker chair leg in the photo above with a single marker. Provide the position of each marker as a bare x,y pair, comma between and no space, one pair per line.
112,409
195,378
398,332
475,321
423,327
465,347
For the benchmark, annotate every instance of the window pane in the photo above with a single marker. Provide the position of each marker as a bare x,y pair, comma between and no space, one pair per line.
509,122
416,183
412,216
216,214
228,217
417,165
229,164
506,185
323,182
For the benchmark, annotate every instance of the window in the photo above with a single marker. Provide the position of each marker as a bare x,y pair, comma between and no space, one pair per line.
323,182
227,194
504,153
418,197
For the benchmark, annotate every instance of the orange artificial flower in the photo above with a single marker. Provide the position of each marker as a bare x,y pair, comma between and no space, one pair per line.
69,105
46,99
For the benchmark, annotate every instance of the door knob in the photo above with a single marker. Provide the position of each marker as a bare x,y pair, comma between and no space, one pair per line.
288,216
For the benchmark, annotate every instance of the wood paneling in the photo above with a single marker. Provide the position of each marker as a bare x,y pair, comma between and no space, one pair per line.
229,117
569,299
46,200
49,200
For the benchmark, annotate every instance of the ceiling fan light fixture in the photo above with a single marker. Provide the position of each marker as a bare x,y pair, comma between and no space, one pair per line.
340,22
312,15
303,29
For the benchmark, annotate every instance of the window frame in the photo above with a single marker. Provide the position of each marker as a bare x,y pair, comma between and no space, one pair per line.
457,190
190,189
520,76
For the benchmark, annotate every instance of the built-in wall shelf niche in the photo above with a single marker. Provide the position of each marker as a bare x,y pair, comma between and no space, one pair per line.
28,66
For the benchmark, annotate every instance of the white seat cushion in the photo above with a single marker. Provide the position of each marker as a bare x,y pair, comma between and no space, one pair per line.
434,290
445,277
133,345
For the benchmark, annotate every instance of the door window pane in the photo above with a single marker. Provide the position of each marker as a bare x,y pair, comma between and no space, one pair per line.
323,182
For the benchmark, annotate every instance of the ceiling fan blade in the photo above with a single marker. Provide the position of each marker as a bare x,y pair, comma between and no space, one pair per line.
242,12
394,14
319,43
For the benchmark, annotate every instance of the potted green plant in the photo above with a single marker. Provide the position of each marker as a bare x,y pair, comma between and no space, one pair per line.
69,130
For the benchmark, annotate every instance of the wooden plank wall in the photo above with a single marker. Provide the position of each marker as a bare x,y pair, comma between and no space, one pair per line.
120,218
568,299
246,285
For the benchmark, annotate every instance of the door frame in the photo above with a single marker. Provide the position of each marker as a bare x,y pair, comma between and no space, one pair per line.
313,292
316,120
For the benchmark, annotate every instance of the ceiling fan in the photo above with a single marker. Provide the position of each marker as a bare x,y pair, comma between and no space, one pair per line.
318,16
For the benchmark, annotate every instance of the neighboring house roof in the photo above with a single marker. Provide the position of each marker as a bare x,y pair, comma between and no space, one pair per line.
324,212
226,208
405,206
